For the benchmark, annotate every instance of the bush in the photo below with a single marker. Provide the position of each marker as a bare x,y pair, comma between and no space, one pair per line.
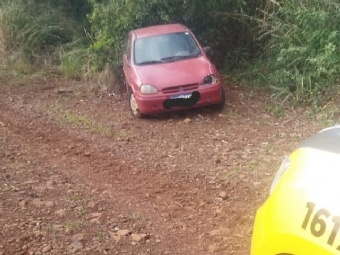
223,25
301,60
34,31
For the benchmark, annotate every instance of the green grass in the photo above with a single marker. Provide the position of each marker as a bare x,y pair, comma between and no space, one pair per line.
76,226
123,135
233,172
80,211
253,166
100,235
84,121
33,35
300,61
329,115
295,55
76,199
72,62
262,121
137,216
68,227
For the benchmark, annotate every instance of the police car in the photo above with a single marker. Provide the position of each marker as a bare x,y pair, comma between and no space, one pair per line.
302,213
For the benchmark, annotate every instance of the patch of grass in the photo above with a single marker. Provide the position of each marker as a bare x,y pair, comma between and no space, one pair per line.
303,43
136,216
100,235
78,225
296,135
12,75
73,227
70,67
68,228
32,32
233,173
329,123
80,211
122,135
76,199
50,229
329,116
5,75
279,112
262,121
22,67
72,62
234,113
84,121
253,166
108,82
300,59
276,109
270,148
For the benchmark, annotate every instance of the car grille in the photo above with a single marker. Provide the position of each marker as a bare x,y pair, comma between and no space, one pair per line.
180,88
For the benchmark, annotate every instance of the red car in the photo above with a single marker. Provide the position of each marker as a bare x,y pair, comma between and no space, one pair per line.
166,69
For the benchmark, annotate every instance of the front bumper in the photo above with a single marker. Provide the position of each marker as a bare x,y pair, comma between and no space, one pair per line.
204,95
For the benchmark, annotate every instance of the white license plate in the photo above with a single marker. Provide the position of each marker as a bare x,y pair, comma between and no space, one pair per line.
185,96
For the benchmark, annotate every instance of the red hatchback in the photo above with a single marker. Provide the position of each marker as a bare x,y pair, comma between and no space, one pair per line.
166,69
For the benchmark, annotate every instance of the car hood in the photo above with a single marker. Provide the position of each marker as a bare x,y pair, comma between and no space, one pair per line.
181,72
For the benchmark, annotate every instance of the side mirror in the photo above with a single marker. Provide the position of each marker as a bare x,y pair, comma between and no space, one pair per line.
208,51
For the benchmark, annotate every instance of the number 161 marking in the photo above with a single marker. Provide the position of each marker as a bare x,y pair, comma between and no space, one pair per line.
318,225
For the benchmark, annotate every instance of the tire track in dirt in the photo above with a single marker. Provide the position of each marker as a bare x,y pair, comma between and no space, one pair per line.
183,224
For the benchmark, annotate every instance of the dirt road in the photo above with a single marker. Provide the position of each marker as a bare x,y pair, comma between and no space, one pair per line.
79,175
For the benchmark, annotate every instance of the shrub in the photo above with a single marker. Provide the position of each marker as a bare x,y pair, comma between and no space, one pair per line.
301,59
33,30
223,25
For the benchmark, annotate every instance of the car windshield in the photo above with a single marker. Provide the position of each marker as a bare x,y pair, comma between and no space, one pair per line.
165,48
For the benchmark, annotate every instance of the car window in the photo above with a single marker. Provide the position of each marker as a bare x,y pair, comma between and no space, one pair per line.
164,47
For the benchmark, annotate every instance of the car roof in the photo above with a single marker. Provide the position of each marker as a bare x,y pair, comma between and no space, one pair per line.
326,140
159,29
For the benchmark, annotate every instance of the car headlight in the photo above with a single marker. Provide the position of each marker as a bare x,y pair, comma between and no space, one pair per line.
148,89
283,168
210,79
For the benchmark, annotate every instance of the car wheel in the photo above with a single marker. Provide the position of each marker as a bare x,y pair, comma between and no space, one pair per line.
220,105
134,106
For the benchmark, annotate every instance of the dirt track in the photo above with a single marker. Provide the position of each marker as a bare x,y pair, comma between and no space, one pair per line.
79,175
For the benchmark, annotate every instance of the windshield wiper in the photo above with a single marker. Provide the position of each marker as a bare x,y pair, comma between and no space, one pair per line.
179,57
150,62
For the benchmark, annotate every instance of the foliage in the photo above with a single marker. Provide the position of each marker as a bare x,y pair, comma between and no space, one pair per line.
301,50
73,61
220,24
289,46
33,31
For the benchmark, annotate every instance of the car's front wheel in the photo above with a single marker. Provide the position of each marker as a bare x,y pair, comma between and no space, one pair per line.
134,106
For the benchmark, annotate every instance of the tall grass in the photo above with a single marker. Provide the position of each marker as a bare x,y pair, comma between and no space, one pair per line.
301,57
33,32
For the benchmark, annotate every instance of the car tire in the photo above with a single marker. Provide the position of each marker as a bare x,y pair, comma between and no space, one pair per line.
133,105
220,105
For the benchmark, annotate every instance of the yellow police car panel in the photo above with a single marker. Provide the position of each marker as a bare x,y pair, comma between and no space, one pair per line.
302,213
